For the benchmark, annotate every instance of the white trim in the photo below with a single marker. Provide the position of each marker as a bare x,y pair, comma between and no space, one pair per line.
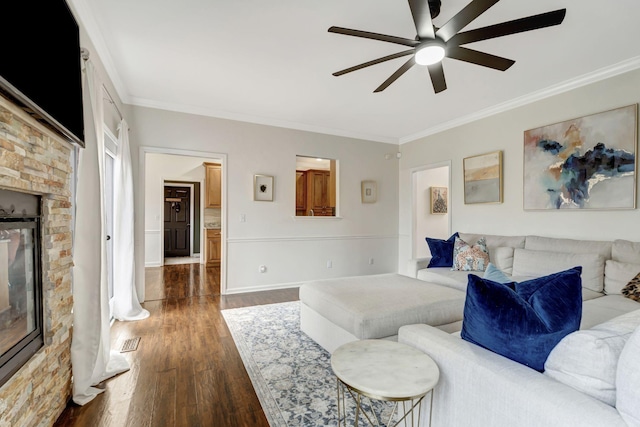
413,217
85,14
585,79
271,287
218,157
305,238
315,218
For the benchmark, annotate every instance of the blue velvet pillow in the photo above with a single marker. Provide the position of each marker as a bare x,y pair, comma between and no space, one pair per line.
441,251
523,321
494,274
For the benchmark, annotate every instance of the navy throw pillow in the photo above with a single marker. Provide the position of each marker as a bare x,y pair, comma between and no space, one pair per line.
441,251
523,321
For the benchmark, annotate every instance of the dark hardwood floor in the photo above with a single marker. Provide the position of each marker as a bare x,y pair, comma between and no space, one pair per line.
186,370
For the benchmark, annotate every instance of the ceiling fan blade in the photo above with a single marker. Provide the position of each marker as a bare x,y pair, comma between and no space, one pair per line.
374,62
436,72
374,36
464,17
479,58
529,23
400,71
422,18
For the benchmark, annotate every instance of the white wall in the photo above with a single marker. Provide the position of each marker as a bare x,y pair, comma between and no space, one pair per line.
504,132
427,224
158,169
292,249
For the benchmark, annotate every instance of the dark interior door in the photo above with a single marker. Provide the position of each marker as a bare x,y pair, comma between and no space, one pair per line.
177,229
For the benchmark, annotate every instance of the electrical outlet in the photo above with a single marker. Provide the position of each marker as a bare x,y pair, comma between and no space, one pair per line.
370,261
262,269
243,218
329,264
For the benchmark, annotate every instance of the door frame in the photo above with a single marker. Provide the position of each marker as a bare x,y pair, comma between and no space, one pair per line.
173,183
140,236
414,201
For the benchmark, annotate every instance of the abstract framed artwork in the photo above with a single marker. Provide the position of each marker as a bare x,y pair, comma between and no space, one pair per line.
439,201
483,178
584,163
263,188
369,191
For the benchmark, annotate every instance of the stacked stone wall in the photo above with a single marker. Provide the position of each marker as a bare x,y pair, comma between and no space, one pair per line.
37,161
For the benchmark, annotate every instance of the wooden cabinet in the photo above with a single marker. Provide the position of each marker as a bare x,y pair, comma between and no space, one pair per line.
214,248
301,193
319,193
213,185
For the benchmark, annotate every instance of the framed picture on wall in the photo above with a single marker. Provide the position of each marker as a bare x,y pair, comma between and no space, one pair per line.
583,163
369,190
439,204
263,188
483,178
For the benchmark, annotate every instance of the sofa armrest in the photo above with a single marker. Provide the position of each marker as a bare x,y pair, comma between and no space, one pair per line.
480,388
417,264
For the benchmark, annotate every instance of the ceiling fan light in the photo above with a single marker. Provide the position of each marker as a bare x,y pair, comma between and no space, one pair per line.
430,53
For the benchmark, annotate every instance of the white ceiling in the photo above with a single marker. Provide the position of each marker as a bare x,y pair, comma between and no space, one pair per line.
270,62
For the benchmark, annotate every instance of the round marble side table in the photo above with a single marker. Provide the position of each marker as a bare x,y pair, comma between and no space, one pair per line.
384,370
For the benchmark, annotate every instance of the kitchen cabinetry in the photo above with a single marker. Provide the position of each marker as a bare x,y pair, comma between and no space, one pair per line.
301,193
213,185
318,193
213,251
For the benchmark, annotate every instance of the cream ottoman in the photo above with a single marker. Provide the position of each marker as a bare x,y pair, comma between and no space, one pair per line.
337,311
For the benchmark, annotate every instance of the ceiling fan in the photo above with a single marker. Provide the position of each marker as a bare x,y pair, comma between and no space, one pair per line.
433,44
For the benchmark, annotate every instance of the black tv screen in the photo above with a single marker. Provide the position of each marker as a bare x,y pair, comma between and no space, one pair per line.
40,64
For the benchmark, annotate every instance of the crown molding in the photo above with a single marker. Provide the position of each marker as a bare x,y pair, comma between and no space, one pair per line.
584,80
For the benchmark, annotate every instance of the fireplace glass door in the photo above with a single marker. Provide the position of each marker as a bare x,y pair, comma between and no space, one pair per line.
20,293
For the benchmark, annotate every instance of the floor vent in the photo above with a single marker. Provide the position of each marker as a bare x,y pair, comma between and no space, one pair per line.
130,345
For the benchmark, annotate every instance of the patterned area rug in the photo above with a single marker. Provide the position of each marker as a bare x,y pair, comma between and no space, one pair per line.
291,374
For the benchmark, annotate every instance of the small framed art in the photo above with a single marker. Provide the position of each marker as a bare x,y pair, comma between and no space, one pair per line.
369,190
483,178
439,203
263,188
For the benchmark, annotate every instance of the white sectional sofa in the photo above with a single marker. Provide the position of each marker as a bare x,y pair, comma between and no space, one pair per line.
478,387
605,268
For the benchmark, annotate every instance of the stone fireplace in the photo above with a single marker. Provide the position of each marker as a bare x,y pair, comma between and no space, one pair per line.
35,160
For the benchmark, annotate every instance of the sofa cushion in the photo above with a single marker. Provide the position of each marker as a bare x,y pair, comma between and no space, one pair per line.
523,321
493,273
441,251
538,243
587,360
470,257
599,310
495,241
617,275
628,381
625,251
632,289
502,258
538,263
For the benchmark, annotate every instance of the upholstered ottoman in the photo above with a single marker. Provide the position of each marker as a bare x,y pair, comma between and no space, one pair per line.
336,311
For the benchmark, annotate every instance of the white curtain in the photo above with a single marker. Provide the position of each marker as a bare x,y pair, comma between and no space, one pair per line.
91,359
126,305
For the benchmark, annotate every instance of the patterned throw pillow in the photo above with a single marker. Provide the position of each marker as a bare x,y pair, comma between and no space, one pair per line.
468,257
632,290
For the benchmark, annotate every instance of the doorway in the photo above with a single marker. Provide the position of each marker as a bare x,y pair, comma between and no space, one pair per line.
427,222
177,222
160,167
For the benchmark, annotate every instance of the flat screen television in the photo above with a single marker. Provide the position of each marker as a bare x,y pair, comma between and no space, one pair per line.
40,64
